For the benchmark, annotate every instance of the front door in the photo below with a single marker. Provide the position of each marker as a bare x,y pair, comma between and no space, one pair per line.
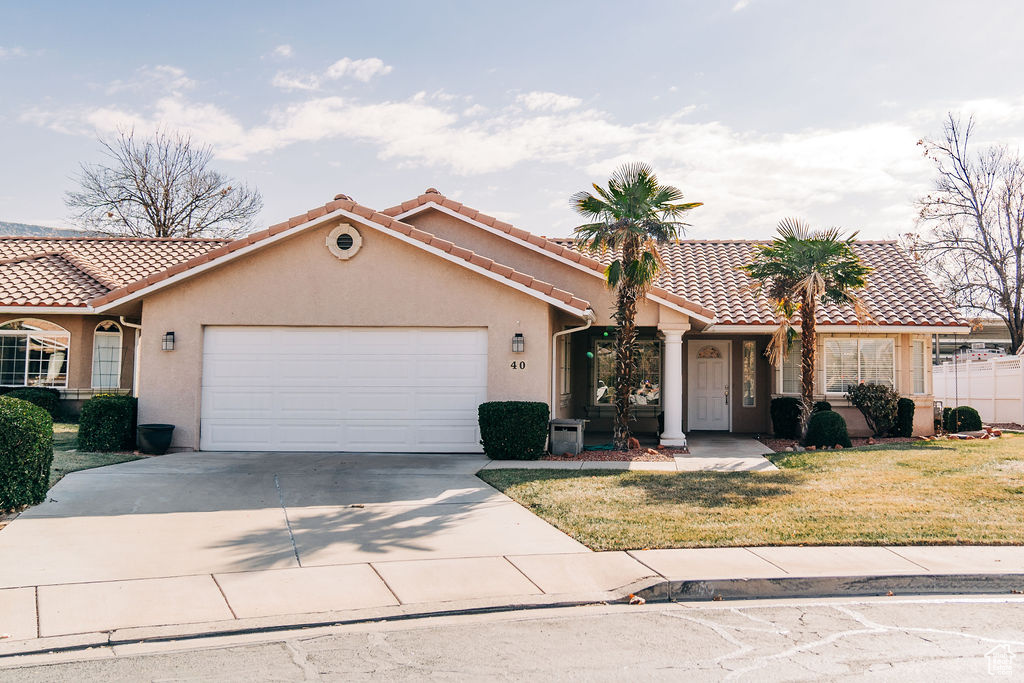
708,387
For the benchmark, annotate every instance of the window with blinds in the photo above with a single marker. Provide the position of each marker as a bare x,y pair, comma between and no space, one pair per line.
918,359
849,362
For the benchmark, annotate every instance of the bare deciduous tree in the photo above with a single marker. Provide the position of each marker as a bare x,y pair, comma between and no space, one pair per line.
161,186
974,220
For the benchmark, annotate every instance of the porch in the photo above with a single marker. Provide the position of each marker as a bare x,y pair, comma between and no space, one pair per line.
699,382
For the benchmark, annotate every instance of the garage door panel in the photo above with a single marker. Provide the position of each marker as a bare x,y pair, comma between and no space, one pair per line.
220,403
343,389
450,404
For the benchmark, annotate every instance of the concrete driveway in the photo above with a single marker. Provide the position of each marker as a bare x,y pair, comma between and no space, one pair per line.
199,513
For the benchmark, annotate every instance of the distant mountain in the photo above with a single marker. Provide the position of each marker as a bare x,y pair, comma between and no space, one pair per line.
26,230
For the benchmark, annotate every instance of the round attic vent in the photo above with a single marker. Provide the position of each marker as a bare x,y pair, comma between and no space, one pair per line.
344,241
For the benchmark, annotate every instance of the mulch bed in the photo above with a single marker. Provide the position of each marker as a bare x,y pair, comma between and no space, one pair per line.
635,455
780,445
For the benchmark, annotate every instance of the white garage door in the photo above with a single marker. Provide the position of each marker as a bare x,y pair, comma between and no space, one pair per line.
385,390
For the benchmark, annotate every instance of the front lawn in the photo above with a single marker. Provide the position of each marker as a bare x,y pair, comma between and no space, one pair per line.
935,492
67,459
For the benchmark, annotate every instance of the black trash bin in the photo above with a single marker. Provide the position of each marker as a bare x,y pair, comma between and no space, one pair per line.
155,439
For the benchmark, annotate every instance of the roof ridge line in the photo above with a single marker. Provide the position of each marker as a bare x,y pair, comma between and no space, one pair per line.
92,270
109,238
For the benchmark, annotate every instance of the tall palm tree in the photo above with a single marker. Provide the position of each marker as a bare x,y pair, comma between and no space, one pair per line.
800,269
630,217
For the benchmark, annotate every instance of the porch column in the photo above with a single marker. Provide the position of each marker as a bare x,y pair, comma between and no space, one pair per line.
672,389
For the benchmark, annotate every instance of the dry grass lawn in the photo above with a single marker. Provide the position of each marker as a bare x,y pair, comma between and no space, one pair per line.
67,459
923,493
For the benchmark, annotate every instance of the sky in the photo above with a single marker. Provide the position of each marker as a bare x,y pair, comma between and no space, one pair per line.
761,109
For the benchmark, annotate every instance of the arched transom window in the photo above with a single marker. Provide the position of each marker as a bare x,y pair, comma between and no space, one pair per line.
106,356
709,352
33,353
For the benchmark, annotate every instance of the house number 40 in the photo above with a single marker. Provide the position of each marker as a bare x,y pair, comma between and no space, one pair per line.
518,365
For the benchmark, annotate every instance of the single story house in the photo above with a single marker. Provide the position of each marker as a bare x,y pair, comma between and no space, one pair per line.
350,329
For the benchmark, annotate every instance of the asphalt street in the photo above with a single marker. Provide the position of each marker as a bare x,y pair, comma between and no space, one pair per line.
903,639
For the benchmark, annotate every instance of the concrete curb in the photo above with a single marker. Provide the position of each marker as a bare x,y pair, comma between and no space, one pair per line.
14,653
833,586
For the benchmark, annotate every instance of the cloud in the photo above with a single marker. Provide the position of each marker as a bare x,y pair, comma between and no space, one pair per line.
163,77
11,52
740,5
548,101
282,51
292,80
359,69
747,178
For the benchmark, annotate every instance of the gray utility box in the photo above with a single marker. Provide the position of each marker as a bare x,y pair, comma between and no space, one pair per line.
567,436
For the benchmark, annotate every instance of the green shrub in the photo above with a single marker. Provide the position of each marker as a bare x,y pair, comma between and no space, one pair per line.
962,419
785,412
26,453
904,418
47,399
877,403
827,428
107,423
820,406
513,430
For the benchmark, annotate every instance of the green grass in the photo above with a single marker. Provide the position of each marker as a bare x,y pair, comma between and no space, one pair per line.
935,492
67,459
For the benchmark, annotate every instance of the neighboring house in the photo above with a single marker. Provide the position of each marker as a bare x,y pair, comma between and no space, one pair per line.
350,329
986,336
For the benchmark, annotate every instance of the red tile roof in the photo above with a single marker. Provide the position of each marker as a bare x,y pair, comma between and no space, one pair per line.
345,204
898,291
70,271
553,247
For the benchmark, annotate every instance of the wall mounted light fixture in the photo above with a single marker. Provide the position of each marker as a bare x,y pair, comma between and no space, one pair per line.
167,343
518,343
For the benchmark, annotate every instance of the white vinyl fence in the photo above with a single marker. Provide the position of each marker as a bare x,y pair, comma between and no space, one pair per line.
995,388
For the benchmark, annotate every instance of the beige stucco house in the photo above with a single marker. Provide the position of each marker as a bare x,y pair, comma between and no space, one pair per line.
349,329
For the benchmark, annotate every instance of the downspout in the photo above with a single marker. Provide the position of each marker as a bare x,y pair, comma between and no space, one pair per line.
135,357
589,317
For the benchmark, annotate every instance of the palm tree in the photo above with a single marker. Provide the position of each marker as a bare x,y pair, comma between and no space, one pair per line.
629,217
800,269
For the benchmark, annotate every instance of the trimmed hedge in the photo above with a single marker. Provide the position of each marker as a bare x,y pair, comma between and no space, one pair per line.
962,419
107,423
47,399
513,430
826,429
877,403
904,418
820,406
785,412
26,453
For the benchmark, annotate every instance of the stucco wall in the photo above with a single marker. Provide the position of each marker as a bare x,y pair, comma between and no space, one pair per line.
81,327
513,254
298,282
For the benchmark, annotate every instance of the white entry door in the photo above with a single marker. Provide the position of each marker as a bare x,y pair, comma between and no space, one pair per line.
708,390
342,389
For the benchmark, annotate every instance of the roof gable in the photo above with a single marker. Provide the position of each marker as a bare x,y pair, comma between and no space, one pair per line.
343,207
432,199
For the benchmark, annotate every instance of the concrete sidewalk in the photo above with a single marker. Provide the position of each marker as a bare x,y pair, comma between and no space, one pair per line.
37,617
709,452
